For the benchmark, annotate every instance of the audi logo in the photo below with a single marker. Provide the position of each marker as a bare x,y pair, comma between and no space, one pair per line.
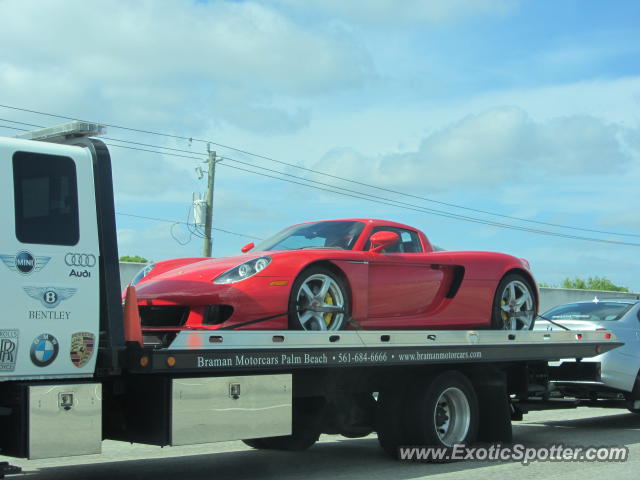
80,260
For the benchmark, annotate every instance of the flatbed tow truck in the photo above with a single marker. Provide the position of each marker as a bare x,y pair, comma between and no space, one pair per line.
75,369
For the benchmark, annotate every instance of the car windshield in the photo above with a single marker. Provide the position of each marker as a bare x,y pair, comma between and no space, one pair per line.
340,234
589,312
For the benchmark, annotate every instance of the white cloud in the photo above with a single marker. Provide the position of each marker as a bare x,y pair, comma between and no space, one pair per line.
501,146
174,55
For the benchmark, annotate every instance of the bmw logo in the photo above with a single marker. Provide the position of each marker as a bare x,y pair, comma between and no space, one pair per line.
44,350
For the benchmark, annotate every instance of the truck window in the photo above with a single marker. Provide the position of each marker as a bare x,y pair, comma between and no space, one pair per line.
46,199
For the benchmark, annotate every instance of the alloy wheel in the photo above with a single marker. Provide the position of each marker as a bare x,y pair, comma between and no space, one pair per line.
516,306
320,303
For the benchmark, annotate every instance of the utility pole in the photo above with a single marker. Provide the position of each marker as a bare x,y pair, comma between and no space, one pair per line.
206,248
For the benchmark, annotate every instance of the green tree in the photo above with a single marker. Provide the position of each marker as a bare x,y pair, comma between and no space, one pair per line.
593,283
133,258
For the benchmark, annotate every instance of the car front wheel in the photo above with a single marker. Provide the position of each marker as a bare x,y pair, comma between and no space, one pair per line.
319,301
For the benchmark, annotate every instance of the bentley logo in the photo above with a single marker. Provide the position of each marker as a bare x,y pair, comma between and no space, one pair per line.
25,263
50,297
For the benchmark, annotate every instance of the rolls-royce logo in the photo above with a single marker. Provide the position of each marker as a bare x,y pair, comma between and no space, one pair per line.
8,350
24,262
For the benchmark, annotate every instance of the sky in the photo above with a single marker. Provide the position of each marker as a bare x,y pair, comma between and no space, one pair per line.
500,125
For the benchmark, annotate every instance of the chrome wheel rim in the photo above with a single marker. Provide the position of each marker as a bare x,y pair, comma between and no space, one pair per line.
320,303
516,306
452,416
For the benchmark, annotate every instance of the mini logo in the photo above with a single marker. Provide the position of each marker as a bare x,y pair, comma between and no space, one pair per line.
8,350
80,273
25,263
87,260
44,350
81,348
50,297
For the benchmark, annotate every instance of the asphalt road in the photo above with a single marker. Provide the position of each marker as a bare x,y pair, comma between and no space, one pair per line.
338,458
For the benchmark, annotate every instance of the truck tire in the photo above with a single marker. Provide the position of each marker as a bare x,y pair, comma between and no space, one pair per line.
307,414
298,441
442,412
257,443
390,421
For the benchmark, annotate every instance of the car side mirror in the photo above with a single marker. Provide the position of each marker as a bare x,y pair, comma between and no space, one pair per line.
381,240
247,247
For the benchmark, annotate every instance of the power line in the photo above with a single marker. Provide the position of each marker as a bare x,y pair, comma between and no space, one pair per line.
362,195
13,128
390,202
140,216
356,195
21,123
396,202
185,223
271,159
353,194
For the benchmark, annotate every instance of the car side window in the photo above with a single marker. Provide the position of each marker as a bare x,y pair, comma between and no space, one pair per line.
409,240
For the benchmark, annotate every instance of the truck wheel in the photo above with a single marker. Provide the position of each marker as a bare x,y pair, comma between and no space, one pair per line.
256,443
514,304
443,412
307,414
319,301
298,441
389,420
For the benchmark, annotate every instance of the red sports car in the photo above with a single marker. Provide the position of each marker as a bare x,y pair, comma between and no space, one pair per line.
339,274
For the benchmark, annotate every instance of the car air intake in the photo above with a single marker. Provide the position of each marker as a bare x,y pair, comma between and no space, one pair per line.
163,315
217,314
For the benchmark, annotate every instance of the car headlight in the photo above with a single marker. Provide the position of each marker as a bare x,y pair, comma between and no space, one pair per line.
142,273
243,271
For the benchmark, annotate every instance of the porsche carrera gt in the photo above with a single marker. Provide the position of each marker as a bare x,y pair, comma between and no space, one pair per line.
339,274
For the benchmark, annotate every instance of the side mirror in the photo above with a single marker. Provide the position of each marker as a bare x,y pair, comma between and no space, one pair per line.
381,240
247,247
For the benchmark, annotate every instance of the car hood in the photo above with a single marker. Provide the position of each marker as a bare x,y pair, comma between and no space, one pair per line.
204,270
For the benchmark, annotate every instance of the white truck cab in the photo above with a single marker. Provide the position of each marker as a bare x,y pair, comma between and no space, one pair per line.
49,256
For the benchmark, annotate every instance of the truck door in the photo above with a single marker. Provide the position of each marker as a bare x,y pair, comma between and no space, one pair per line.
49,281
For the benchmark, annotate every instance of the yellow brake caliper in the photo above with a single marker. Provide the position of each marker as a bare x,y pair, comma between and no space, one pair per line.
505,317
328,299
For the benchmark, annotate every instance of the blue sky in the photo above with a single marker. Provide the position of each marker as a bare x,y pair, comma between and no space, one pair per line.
527,109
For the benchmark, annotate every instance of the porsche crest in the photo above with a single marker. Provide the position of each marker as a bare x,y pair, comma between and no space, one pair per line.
82,345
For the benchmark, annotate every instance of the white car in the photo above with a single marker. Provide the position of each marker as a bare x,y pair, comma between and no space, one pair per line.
619,368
